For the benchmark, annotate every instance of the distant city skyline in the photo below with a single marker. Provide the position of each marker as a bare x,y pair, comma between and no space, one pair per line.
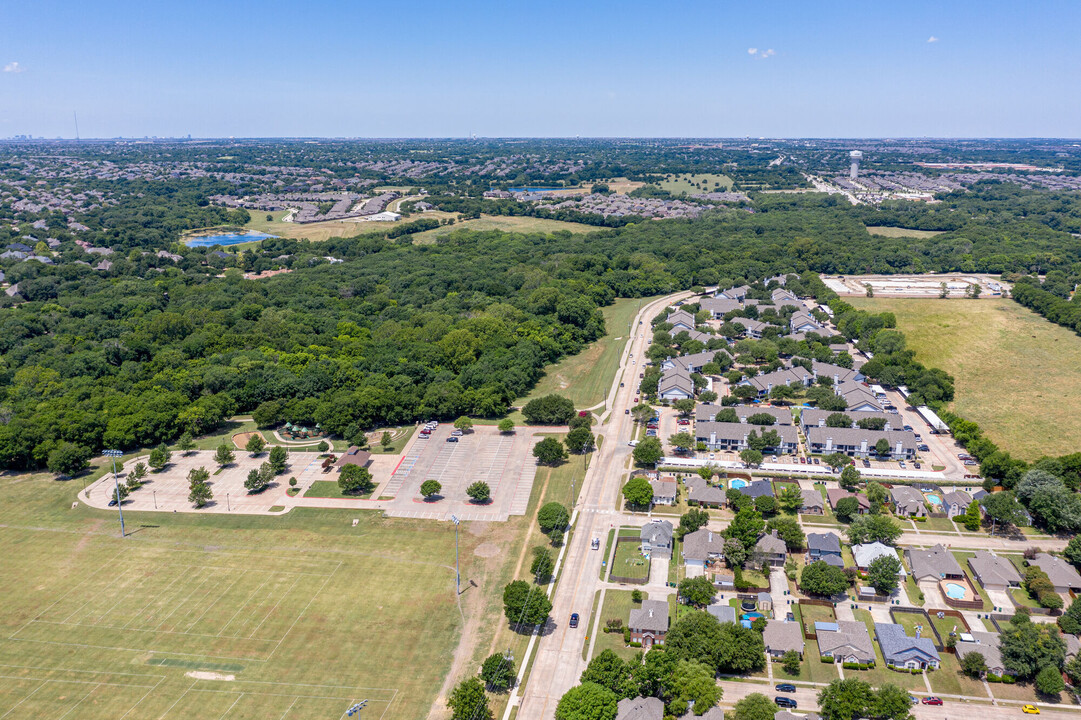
601,69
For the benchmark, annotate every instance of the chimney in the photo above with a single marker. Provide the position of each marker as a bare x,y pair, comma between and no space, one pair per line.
836,380
651,615
711,536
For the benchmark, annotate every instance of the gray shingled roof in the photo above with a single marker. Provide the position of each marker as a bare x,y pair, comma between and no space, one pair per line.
652,616
640,708
897,647
783,636
935,562
702,543
824,542
992,568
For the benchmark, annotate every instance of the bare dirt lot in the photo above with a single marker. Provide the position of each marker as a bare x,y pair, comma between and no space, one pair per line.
915,286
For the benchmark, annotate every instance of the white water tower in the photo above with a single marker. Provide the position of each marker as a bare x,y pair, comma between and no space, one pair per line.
855,156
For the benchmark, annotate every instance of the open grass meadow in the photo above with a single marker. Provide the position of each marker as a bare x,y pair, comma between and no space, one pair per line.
324,230
211,616
506,223
696,183
1016,374
895,232
586,377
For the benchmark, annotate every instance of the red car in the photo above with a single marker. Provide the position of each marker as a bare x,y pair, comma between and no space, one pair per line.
931,700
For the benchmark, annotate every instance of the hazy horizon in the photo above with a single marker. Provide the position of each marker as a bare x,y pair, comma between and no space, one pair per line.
604,70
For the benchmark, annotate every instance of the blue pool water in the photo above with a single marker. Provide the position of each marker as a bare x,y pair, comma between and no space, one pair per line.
226,239
934,499
749,618
955,591
737,483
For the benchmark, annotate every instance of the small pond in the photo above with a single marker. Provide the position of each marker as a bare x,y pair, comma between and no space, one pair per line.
226,239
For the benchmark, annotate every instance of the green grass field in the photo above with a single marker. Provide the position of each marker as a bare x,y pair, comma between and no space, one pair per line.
696,183
330,489
324,230
1016,374
895,232
617,605
586,377
506,223
213,616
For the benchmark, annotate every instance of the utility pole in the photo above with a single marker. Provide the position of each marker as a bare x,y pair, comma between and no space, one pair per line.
457,571
114,454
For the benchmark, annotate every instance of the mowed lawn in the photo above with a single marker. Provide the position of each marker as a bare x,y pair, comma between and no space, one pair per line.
586,377
506,223
325,230
201,616
1016,374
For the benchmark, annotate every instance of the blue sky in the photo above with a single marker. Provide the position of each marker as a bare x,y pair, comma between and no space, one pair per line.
631,68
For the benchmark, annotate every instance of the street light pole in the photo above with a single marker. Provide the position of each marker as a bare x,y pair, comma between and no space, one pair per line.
114,454
457,571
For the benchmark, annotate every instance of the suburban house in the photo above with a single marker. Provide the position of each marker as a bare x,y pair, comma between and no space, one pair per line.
706,495
702,547
825,547
985,644
756,489
681,320
936,563
733,436
354,456
789,376
835,494
845,641
691,363
657,539
640,708
907,501
812,417
813,504
752,328
900,650
1061,573
956,502
867,553
649,623
724,613
994,572
675,384
664,491
860,443
780,637
771,549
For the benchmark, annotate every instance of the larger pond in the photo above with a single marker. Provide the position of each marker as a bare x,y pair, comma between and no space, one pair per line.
226,239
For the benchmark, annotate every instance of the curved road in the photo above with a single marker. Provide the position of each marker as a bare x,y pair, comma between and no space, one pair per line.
559,649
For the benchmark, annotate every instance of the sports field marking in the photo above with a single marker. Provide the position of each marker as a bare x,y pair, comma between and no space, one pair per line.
303,612
150,602
210,605
177,700
28,696
84,697
271,611
238,697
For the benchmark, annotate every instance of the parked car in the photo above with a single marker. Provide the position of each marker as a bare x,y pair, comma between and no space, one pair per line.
901,463
908,427
932,700
596,544
916,465
923,448
632,443
636,399
786,687
785,702
1030,709
456,433
452,439
866,463
816,461
627,411
641,375
574,620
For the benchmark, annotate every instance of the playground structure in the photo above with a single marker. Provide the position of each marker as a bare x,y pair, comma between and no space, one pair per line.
299,432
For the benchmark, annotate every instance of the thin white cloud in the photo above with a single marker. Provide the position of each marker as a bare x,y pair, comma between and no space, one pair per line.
932,39
761,54
768,53
14,67
752,51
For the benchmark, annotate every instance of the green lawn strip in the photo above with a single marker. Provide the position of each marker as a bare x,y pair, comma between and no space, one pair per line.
1019,691
586,377
676,569
607,552
617,604
938,525
949,680
1021,597
399,441
330,489
628,561
589,627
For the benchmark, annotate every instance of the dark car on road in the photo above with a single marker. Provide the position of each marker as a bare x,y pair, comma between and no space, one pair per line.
574,620
785,687
785,702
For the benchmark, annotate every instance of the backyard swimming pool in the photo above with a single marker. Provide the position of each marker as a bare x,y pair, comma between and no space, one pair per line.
934,499
737,483
955,591
749,618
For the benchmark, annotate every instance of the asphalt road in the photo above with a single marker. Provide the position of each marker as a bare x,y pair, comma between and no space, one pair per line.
559,663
